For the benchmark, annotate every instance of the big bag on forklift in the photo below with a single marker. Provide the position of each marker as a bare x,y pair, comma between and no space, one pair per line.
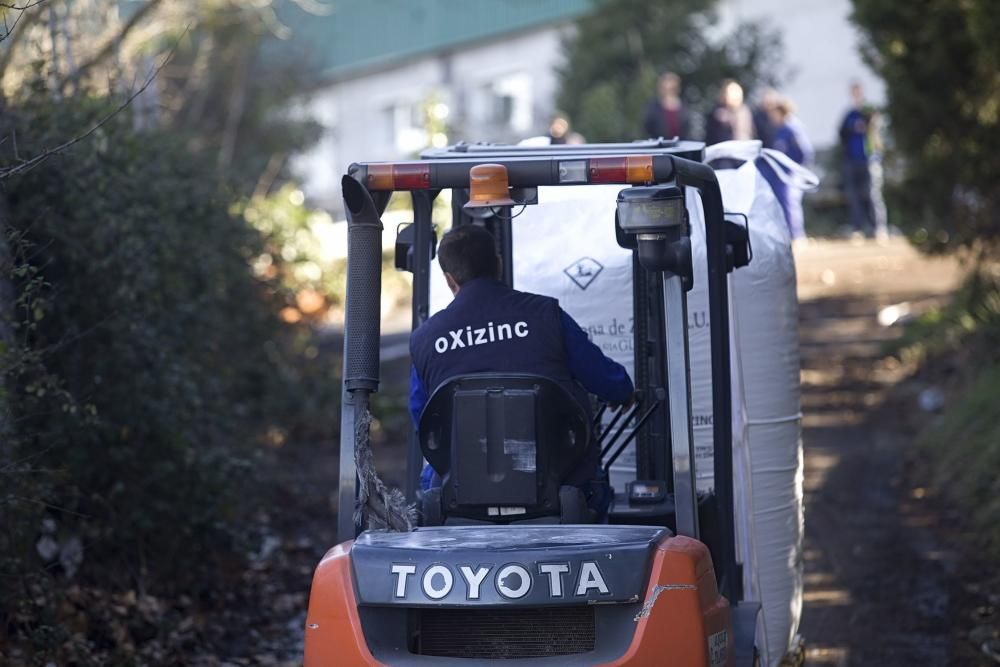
565,247
765,328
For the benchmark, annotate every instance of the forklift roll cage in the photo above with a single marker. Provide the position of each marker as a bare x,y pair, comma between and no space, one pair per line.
367,189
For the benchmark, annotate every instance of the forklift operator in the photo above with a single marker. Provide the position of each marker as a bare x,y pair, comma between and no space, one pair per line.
490,327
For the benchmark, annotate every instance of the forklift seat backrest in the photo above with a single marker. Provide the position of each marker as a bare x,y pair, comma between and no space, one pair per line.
503,440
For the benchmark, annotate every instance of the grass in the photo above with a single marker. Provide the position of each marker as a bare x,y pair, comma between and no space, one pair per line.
965,448
969,324
958,344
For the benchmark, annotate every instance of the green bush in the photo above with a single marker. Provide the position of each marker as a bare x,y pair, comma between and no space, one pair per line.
956,346
939,60
147,362
965,448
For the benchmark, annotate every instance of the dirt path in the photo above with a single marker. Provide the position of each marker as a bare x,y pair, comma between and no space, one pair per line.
879,581
882,587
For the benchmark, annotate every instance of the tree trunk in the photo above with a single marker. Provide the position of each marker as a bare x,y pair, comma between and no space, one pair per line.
8,297
234,113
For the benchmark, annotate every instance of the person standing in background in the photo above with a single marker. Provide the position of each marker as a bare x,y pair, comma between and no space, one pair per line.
558,128
762,125
664,116
857,175
731,119
790,138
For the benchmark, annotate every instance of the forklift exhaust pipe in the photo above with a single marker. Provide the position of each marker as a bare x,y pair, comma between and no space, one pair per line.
361,493
364,289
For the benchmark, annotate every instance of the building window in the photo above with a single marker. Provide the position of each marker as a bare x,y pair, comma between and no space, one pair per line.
404,125
508,102
503,109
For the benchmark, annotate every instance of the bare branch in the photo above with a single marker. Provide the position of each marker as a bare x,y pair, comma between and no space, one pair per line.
15,38
21,10
67,44
234,112
267,178
38,159
54,68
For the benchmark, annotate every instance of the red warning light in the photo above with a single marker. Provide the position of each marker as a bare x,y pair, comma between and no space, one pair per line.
632,169
405,176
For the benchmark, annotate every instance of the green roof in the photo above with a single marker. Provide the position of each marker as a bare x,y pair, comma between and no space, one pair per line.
355,35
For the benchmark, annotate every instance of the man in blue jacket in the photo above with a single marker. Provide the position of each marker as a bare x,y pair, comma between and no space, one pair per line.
490,327
857,177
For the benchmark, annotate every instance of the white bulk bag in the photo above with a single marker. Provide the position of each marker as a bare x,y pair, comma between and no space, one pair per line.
765,305
565,247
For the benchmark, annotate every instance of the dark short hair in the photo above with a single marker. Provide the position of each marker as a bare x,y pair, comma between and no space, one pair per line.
468,252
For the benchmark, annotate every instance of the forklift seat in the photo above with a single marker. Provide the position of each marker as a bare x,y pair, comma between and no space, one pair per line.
503,445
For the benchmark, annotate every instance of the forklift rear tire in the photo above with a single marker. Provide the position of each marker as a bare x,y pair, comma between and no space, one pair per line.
430,508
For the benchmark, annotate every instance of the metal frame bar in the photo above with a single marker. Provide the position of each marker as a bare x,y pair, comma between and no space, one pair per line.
423,204
528,171
687,149
653,445
678,375
702,177
347,489
502,230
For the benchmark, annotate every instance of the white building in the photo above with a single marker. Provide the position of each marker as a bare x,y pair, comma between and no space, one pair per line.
486,69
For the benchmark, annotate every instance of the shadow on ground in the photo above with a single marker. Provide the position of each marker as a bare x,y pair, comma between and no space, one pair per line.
881,578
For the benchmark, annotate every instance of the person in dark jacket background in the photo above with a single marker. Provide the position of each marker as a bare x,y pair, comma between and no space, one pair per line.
558,128
790,138
665,116
731,118
763,126
857,177
490,327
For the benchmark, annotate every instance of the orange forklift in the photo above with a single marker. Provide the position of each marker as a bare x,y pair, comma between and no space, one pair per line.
502,562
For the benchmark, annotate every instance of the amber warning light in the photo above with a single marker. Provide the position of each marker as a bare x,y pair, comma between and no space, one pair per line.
488,187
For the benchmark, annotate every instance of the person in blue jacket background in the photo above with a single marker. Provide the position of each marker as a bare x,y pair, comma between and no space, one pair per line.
490,327
857,176
790,138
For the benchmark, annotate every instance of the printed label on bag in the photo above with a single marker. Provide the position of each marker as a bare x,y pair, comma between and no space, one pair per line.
718,645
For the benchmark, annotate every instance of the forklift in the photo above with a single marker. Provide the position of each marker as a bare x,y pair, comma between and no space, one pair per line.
500,563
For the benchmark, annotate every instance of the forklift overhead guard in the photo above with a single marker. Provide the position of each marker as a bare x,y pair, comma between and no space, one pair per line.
504,565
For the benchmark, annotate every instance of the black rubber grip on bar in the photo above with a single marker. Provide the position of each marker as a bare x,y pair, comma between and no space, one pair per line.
364,288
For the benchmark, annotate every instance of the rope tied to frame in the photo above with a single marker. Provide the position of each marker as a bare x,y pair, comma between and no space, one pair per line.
378,507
